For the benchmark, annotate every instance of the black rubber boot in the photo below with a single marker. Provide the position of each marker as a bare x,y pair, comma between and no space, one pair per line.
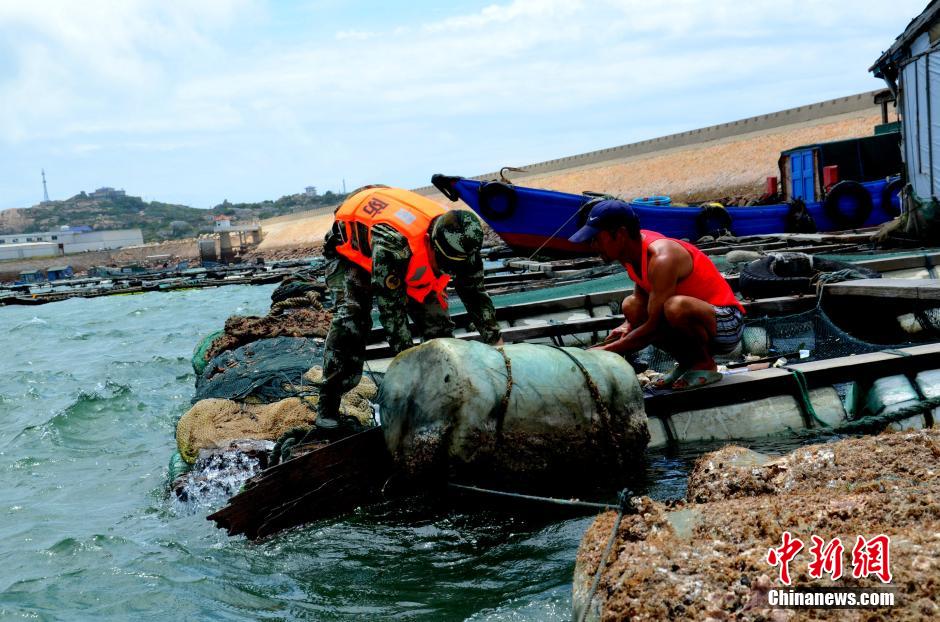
327,412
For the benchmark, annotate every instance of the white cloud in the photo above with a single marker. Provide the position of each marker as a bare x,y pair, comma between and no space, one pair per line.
487,82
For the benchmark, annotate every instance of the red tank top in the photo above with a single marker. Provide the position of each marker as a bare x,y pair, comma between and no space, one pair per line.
704,282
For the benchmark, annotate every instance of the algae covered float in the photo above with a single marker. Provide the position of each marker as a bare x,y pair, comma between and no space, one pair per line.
534,219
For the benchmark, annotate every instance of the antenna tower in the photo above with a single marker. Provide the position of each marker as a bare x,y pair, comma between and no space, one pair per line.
45,191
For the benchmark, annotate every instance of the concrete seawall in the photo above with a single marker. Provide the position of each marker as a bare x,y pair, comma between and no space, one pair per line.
859,103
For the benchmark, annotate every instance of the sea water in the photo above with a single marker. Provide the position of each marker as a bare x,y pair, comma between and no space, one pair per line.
90,391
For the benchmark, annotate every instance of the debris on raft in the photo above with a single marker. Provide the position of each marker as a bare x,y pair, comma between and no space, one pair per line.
214,423
706,558
299,322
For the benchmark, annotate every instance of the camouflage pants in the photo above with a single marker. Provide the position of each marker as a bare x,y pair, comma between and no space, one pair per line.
345,348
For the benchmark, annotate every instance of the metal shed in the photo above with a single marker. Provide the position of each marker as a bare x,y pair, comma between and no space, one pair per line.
911,68
60,272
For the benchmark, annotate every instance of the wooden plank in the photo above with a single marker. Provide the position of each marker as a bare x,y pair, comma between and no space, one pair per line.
898,289
511,313
522,333
746,386
757,308
887,264
525,277
323,483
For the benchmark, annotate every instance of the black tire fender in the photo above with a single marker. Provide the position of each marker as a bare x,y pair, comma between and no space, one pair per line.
785,274
593,198
887,193
713,220
758,280
848,189
799,220
497,200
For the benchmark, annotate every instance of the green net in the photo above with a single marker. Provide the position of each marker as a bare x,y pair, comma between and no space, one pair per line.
264,371
199,354
812,332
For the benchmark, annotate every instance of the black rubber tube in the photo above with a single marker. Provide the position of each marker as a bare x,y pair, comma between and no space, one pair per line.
845,190
497,200
713,220
887,193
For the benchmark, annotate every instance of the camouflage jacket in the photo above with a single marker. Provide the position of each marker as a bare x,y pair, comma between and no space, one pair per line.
390,256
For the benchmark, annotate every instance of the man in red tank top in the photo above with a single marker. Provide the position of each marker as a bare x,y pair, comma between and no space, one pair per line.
681,303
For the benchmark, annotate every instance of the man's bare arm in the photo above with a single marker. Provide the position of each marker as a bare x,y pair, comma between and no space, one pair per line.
665,265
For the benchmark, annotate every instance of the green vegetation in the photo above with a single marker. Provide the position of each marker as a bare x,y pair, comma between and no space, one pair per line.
157,221
285,205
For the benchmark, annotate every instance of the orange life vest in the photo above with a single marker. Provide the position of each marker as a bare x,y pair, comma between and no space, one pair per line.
408,213
704,282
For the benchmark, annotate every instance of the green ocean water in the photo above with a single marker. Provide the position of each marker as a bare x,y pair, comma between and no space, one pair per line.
90,391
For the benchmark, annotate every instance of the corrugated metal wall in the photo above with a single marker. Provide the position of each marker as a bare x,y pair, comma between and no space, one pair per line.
920,108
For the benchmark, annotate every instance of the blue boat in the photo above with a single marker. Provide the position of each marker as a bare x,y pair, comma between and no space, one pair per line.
532,219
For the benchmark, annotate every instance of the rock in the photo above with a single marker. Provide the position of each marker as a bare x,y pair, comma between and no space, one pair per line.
887,484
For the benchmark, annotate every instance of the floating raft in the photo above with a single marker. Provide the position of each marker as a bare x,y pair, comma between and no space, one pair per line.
352,472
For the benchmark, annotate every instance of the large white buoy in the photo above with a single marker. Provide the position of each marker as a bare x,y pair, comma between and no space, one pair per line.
525,414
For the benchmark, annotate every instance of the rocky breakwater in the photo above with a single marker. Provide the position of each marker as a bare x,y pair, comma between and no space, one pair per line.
710,557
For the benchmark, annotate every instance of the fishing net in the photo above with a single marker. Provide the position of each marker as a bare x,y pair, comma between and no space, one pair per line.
261,372
295,287
201,352
293,317
811,331
214,423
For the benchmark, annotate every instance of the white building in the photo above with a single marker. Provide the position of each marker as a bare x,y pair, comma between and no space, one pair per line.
68,241
28,250
106,192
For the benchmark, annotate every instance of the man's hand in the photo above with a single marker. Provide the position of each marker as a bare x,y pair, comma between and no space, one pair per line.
619,333
613,336
618,346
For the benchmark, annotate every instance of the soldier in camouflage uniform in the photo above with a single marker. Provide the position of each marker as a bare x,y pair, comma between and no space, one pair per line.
456,238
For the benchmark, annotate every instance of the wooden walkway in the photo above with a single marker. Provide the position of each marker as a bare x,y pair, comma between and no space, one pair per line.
897,289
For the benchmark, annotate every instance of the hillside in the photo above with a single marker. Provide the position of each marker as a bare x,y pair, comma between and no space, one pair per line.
158,221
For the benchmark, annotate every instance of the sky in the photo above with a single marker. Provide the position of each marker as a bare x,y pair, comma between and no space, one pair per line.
198,101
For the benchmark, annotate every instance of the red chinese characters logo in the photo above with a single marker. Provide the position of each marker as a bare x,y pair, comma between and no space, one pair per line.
872,557
826,559
781,556
869,557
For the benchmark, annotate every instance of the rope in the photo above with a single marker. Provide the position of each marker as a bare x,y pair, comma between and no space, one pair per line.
500,413
516,495
549,238
846,274
624,505
615,436
805,402
875,422
931,269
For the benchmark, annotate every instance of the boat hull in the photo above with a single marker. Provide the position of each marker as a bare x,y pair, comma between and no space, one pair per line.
537,220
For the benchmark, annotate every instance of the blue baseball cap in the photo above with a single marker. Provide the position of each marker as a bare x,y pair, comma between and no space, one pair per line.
606,215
